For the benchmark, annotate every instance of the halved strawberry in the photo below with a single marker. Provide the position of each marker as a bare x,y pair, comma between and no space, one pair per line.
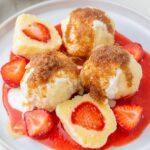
88,116
128,116
14,57
38,122
135,49
58,28
37,31
12,72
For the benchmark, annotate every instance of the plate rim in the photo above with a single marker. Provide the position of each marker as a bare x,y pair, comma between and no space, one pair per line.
48,2
40,4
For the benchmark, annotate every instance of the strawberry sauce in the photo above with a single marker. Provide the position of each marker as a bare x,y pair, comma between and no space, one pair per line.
15,116
60,140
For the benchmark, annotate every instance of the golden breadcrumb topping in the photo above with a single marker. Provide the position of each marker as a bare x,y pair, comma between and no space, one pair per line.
81,24
47,65
101,66
110,54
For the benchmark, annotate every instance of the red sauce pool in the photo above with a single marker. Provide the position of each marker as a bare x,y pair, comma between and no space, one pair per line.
60,140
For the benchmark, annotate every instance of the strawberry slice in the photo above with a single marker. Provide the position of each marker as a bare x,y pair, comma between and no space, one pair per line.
38,122
37,31
12,72
135,49
15,57
58,28
128,116
88,116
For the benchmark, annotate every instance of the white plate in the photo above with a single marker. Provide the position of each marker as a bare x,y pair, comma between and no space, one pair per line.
127,22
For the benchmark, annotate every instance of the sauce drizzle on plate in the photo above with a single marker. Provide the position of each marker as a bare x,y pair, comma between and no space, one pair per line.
60,140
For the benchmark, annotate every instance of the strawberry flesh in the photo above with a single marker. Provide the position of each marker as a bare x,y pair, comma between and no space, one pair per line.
58,28
15,57
88,116
37,31
38,122
135,49
128,116
12,72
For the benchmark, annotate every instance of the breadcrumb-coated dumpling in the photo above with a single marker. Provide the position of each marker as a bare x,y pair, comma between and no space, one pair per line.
85,29
49,79
111,72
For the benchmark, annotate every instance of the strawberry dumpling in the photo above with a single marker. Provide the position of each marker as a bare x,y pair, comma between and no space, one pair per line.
50,79
87,121
111,72
33,36
85,29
